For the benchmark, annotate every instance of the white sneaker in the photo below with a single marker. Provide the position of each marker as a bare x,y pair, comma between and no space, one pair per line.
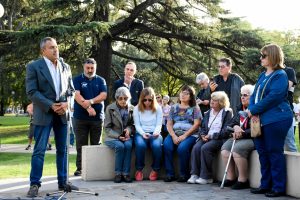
204,181
193,179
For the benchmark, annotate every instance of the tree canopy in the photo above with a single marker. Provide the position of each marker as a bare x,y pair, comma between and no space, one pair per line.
174,38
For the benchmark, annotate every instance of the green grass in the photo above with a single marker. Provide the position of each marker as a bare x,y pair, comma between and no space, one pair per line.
15,165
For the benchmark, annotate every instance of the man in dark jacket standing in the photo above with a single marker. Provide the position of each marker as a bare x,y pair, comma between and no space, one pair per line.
134,85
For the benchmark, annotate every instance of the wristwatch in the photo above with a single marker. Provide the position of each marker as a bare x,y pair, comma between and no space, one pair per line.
91,101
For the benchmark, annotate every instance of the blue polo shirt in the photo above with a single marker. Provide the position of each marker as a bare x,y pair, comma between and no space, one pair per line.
89,88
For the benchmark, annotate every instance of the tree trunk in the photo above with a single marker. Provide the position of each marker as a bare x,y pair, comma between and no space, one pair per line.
103,56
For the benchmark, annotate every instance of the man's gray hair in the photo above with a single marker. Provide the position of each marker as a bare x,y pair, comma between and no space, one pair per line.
122,91
202,77
44,40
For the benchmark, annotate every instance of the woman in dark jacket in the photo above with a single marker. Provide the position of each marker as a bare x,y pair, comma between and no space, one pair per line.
212,132
243,145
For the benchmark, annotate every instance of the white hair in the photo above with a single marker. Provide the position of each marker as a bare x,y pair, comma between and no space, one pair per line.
202,77
248,88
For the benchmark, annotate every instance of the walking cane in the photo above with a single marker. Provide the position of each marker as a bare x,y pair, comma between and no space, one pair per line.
245,115
229,158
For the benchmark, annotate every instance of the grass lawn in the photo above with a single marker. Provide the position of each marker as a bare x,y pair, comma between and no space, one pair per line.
18,165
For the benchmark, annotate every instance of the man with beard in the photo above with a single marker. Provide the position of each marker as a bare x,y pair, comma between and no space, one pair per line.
91,91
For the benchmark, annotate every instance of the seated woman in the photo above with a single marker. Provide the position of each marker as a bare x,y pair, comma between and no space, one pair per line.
147,117
118,126
243,145
183,123
212,132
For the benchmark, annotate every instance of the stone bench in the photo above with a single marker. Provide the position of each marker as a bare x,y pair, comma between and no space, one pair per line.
98,163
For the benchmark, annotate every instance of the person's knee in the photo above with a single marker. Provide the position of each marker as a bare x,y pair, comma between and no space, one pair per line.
119,147
225,153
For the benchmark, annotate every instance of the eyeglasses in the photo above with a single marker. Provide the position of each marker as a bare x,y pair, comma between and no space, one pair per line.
263,56
185,93
157,97
222,66
245,95
150,100
122,98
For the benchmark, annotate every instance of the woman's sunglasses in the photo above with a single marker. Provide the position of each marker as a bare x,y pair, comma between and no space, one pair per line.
150,100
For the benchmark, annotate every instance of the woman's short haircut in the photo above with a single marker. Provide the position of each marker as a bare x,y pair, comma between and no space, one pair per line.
202,77
248,88
122,92
226,60
222,98
274,55
148,91
191,91
166,97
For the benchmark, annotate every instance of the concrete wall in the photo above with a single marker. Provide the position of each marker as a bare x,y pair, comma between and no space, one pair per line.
98,164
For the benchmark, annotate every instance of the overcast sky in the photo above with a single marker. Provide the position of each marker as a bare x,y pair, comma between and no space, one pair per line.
281,15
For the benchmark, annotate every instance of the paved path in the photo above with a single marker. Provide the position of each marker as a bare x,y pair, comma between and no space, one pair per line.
20,148
17,188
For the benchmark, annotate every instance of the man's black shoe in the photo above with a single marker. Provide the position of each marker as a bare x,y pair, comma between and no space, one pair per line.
169,179
118,178
67,187
33,191
274,194
127,179
259,190
77,173
28,147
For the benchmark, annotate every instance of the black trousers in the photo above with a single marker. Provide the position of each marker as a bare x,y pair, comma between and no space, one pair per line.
85,129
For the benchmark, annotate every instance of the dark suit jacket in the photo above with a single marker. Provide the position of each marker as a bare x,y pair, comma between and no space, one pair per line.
41,91
136,87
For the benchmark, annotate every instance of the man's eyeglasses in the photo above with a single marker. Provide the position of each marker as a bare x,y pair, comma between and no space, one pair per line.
263,56
150,100
122,98
245,95
222,66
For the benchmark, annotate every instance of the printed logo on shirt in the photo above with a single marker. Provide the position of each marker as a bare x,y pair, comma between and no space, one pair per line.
84,85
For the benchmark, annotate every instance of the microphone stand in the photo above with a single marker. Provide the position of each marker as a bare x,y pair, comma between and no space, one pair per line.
68,186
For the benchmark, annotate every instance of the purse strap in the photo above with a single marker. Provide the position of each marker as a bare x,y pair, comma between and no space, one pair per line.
266,85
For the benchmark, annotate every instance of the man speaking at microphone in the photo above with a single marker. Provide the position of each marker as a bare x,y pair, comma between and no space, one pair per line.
47,82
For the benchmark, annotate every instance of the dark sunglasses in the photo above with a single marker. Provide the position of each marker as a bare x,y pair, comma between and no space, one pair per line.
123,98
150,100
263,55
245,95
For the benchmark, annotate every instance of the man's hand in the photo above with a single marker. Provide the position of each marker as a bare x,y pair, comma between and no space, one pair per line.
213,86
91,111
127,134
60,108
85,104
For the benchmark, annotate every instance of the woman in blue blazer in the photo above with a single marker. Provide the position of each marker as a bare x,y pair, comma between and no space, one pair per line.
269,101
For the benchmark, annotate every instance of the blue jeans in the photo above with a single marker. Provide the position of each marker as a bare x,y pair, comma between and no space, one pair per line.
290,142
123,155
270,150
141,145
41,135
184,153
